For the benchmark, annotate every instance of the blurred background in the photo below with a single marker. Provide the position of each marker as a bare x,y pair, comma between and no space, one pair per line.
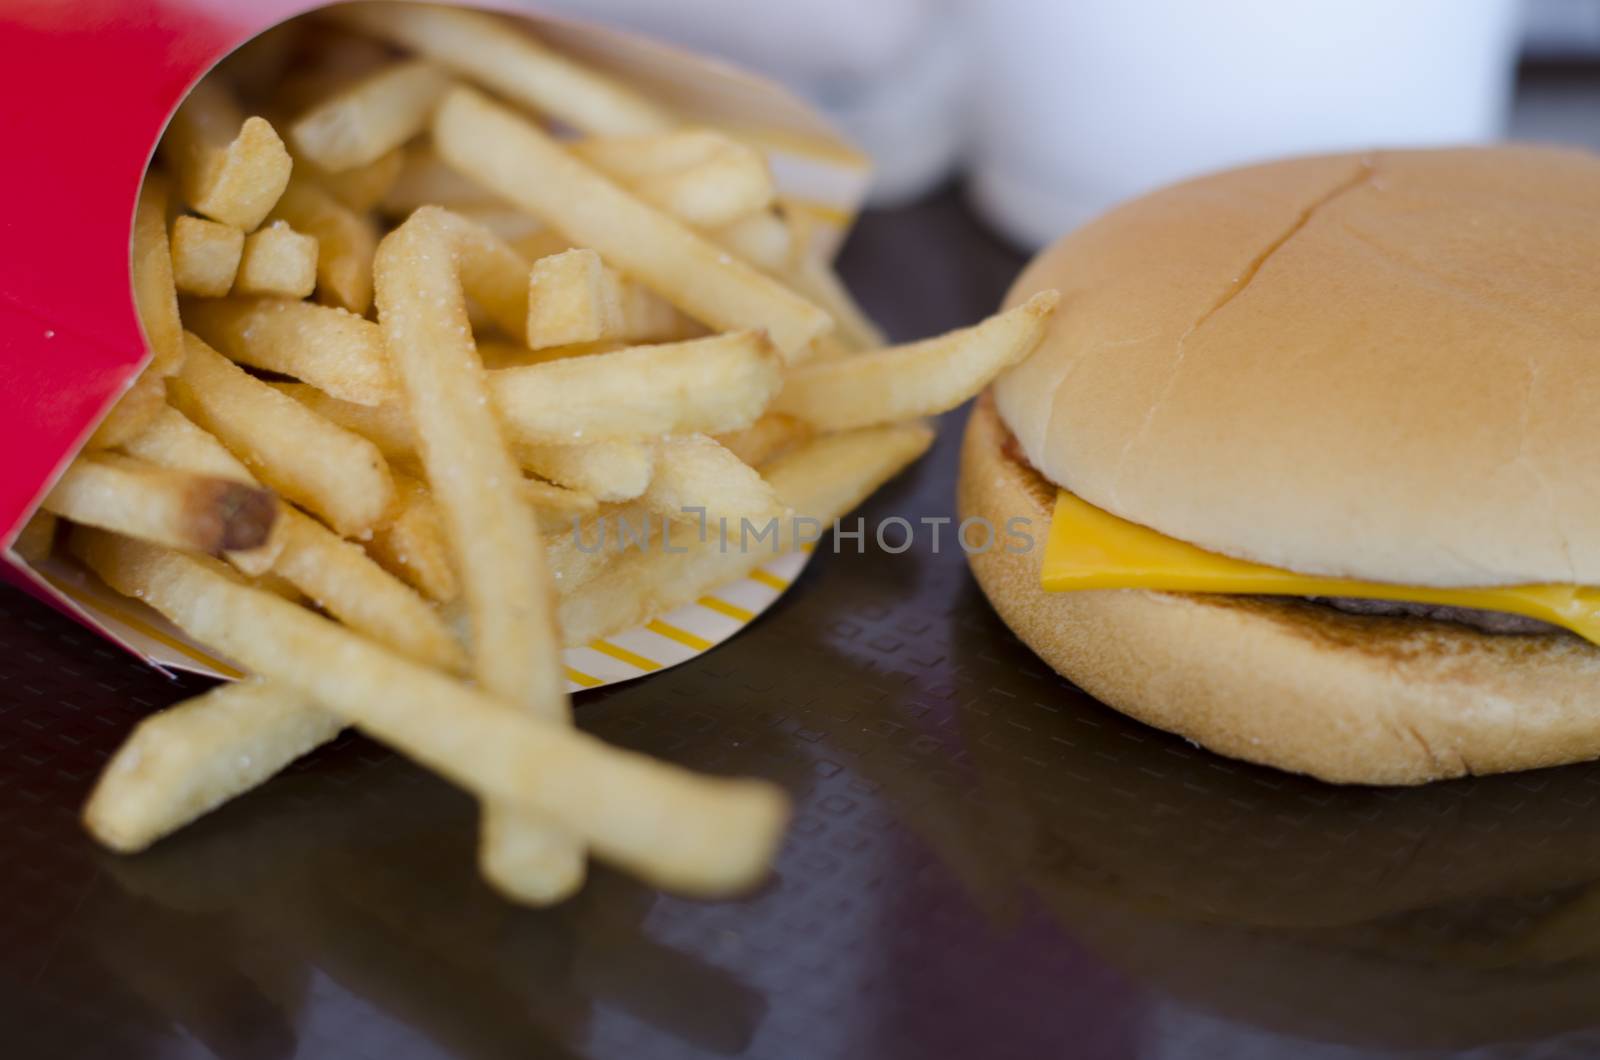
1055,109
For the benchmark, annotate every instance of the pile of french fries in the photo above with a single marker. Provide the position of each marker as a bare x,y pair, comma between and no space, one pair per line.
428,302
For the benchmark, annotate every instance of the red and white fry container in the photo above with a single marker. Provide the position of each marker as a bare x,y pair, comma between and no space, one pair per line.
91,85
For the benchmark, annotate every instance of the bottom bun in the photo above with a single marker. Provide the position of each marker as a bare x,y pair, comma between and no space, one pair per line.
1281,681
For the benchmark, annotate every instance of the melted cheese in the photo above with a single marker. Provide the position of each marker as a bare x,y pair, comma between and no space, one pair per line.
1089,548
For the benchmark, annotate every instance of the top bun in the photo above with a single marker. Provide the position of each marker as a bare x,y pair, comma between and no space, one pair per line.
1381,366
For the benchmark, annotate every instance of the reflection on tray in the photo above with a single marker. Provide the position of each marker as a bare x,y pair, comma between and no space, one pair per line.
376,900
1446,915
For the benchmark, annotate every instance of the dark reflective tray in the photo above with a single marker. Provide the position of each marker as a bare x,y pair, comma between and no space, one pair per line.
984,861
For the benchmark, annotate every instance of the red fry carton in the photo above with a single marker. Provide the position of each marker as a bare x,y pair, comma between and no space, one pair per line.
93,84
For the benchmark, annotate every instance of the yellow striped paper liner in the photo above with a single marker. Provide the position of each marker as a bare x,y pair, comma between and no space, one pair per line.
680,635
663,642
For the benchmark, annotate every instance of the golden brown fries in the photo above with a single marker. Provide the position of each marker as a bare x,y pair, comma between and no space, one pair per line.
336,474
572,297
617,469
411,545
716,384
343,580
701,176
722,832
555,507
140,403
191,758
229,168
819,481
383,425
815,279
171,440
918,379
498,147
346,239
156,299
489,524
505,58
493,274
771,436
694,472
157,504
360,124
335,574
361,188
205,257
762,239
425,179
329,348
277,261
437,359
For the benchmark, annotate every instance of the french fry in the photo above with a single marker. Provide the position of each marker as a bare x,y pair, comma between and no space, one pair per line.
493,274
278,585
385,426
156,300
425,179
171,440
614,470
497,353
345,239
919,379
508,154
573,554
762,239
542,242
647,317
336,474
205,256
187,760
361,123
555,507
703,177
412,546
333,572
820,481
36,540
229,168
154,294
502,57
174,508
331,349
768,437
687,833
507,222
694,472
572,297
342,579
816,280
361,188
277,261
576,300
420,272
139,404
713,384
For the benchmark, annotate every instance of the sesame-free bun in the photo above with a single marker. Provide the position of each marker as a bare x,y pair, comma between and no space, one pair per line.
1284,682
1381,366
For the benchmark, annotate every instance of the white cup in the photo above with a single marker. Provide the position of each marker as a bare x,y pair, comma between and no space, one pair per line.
1080,104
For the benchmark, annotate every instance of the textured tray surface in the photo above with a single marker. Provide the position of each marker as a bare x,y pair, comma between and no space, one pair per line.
984,862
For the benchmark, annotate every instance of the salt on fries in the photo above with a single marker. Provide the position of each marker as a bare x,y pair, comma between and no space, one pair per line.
435,344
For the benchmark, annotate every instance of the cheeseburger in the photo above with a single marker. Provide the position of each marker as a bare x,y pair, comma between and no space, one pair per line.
1318,446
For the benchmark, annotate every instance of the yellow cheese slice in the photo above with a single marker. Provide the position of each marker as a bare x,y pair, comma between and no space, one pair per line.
1089,548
